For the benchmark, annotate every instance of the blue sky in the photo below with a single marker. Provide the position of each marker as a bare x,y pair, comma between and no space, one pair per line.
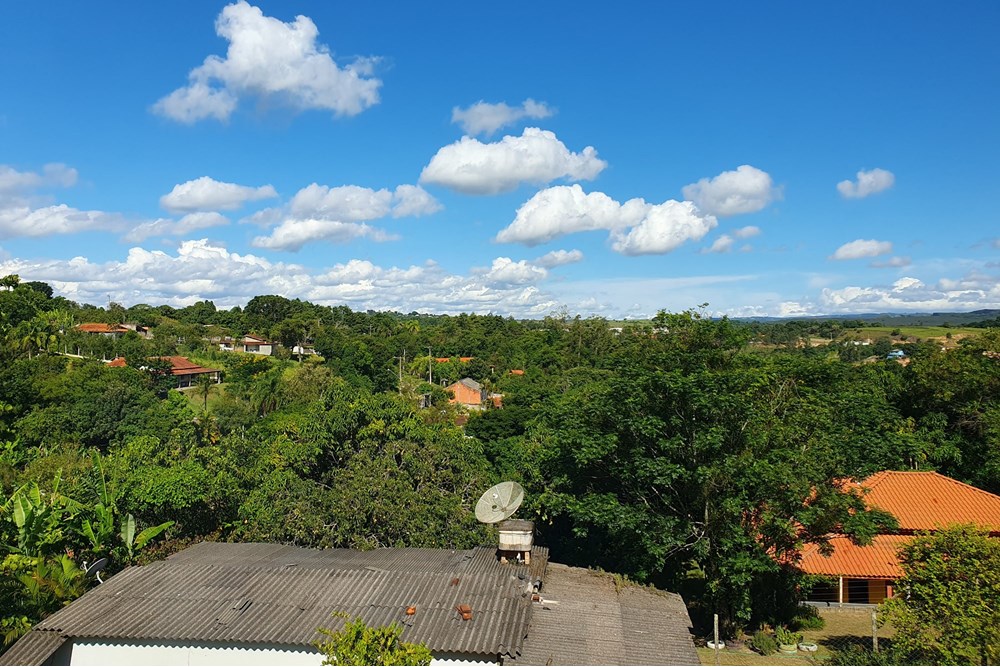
777,158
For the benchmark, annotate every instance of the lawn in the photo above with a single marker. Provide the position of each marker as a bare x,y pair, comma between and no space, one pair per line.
842,627
913,332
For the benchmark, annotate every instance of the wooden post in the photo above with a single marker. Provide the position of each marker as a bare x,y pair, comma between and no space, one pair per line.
840,593
715,623
875,630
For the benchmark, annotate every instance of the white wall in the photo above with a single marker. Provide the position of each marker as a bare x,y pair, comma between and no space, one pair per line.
96,652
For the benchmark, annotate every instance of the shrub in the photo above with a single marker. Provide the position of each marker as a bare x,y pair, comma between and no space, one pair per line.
763,643
807,618
786,636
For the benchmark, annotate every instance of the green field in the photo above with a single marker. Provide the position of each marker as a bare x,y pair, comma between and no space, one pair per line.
913,332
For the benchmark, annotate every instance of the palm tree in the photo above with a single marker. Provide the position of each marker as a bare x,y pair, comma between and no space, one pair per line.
203,385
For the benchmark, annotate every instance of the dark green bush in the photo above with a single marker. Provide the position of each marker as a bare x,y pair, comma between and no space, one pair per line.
807,618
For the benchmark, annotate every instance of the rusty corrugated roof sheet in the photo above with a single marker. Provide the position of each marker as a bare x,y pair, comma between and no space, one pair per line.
928,500
585,619
268,593
875,561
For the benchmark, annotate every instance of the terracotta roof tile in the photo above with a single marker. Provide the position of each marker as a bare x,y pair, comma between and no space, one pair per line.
875,561
100,327
928,500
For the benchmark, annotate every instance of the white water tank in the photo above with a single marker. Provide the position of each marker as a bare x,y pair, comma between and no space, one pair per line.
516,535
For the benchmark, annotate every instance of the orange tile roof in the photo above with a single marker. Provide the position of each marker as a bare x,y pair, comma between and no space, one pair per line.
928,500
100,327
184,366
442,360
517,371
875,561
117,362
465,360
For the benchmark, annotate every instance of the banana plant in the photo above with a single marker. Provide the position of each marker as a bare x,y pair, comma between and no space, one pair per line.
101,532
40,519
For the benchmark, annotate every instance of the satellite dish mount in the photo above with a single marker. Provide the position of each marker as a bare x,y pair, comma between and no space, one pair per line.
497,505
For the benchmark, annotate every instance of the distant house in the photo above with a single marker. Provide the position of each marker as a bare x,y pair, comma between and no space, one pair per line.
185,371
250,344
102,329
255,345
304,350
895,354
472,395
516,371
218,603
920,501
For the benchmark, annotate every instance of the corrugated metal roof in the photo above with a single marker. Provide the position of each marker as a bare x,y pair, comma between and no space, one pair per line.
33,648
268,593
875,561
928,500
253,594
586,620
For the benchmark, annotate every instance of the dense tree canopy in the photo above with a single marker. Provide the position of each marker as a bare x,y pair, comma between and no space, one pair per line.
691,452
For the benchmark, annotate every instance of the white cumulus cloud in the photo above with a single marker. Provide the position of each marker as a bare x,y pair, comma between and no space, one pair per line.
862,248
293,233
558,258
201,270
167,227
273,60
485,118
745,190
23,221
506,271
892,263
537,157
637,227
206,193
867,183
664,227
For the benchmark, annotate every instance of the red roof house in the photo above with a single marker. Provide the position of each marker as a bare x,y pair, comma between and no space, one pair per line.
920,501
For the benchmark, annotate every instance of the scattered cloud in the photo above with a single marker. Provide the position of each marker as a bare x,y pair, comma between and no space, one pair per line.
201,270
167,227
338,215
892,263
536,157
745,190
867,183
747,232
722,244
485,118
637,227
53,174
353,203
506,271
664,227
413,201
271,60
23,221
862,248
294,233
558,258
205,194
974,291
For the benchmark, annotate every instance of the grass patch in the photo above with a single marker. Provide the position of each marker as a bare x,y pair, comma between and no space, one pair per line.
912,332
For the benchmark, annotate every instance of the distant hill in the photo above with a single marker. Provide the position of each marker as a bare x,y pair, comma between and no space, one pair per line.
894,319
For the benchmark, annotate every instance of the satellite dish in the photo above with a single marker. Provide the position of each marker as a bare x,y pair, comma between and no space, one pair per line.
499,502
95,569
